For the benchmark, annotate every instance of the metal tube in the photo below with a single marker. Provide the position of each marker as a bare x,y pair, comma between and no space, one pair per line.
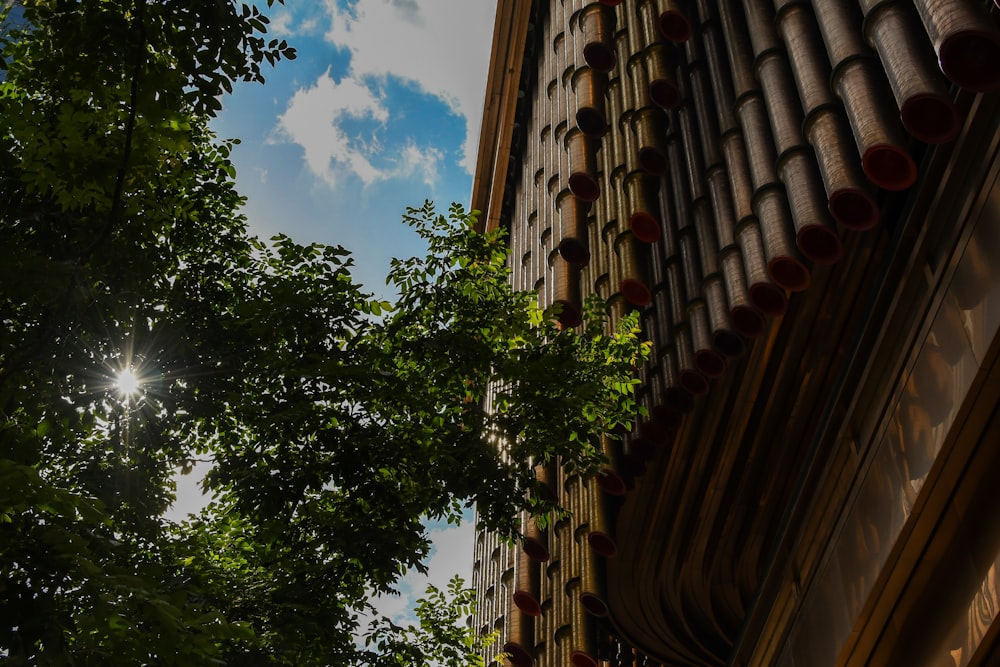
966,41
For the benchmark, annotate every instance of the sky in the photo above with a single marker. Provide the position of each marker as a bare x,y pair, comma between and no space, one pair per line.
380,110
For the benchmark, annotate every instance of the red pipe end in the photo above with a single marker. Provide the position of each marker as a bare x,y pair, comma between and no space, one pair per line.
519,656
594,605
636,292
710,363
600,57
570,316
664,94
654,432
675,26
889,167
747,321
527,603
536,550
932,118
679,399
854,209
611,483
789,273
584,186
644,227
820,244
574,251
581,659
730,344
591,122
602,544
694,382
769,298
970,58
653,160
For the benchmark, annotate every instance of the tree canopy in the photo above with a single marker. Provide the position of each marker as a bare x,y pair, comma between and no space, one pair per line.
336,423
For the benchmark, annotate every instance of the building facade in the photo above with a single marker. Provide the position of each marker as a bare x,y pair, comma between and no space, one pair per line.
802,199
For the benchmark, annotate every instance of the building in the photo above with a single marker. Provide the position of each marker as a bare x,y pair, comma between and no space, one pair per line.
803,200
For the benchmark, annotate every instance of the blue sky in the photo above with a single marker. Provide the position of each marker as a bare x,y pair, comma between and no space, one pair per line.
380,110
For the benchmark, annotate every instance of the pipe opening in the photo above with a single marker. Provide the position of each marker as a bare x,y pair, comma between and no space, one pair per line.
930,117
653,160
694,382
591,122
747,321
584,186
678,399
645,227
574,251
602,544
654,432
611,482
710,363
581,659
664,94
854,209
527,603
675,26
769,298
519,656
789,273
889,167
570,316
594,605
636,292
820,244
600,57
728,343
970,57
535,549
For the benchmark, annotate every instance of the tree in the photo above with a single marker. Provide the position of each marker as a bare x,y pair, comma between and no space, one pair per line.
143,327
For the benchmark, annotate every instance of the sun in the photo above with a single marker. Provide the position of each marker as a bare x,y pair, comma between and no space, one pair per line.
127,383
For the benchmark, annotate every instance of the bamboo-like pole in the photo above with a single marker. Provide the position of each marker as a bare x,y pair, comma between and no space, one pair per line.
925,107
966,41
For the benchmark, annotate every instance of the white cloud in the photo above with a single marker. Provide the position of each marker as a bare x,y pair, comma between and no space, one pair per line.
313,119
441,45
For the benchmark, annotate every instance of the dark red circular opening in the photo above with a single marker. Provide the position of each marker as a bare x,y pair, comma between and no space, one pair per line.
664,94
581,659
653,160
854,209
820,244
769,298
675,26
570,315
527,603
584,186
970,58
889,167
710,362
679,399
694,382
611,482
728,343
574,251
789,273
519,656
594,605
636,292
535,549
599,56
602,543
930,117
644,227
591,121
655,432
747,321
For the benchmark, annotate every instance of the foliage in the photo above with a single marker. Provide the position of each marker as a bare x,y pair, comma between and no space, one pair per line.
336,423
